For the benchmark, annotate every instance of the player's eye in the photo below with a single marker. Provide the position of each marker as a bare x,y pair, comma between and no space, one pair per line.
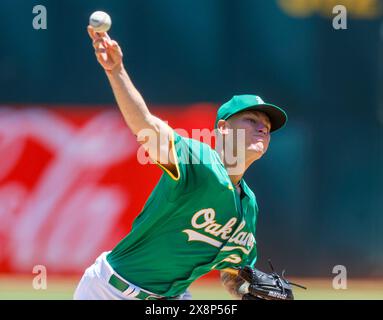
254,121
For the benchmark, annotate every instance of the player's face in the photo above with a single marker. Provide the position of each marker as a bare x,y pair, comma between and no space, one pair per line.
256,126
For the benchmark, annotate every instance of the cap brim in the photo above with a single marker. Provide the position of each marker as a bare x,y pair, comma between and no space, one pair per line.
277,116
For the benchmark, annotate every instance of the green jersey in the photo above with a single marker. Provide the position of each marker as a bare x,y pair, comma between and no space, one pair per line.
192,223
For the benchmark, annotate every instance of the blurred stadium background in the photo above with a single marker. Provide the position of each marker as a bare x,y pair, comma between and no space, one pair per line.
70,184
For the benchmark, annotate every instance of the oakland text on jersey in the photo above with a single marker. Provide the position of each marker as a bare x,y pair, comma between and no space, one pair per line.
205,220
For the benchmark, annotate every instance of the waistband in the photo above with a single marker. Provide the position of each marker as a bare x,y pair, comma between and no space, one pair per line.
127,288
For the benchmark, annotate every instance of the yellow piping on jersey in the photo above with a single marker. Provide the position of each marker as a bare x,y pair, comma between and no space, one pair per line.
175,159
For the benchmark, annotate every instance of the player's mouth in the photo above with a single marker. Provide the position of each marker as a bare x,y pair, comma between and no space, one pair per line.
258,138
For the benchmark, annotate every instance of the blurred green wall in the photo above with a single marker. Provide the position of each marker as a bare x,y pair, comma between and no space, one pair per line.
320,186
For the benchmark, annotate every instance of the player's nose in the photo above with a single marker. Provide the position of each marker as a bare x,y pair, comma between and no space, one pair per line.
262,130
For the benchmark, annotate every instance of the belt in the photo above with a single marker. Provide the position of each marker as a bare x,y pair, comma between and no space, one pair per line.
123,286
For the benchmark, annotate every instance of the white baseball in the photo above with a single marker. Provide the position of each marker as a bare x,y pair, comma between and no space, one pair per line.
100,21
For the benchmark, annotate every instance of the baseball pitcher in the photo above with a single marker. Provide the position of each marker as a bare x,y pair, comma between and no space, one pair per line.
201,216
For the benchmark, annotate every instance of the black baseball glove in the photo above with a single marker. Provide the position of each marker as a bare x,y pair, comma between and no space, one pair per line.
265,286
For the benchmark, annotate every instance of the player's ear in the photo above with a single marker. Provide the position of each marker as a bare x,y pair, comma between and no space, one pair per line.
223,127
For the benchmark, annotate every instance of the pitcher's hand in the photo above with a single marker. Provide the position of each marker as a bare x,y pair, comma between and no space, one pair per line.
108,52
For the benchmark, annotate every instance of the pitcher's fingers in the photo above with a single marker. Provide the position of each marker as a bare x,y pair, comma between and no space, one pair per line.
100,50
99,43
113,45
92,33
102,57
231,271
103,35
109,44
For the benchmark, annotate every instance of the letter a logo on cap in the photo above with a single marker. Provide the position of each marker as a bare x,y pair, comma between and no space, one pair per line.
259,100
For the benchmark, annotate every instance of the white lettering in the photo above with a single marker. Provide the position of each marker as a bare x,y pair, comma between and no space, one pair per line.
196,236
40,281
340,21
244,240
40,20
208,215
339,281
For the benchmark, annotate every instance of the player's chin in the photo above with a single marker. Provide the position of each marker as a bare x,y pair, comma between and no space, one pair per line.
256,155
258,148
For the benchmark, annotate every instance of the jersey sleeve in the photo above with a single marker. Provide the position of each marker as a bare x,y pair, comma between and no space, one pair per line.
190,156
174,146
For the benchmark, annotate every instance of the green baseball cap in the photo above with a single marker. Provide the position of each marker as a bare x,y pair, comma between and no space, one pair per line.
239,103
